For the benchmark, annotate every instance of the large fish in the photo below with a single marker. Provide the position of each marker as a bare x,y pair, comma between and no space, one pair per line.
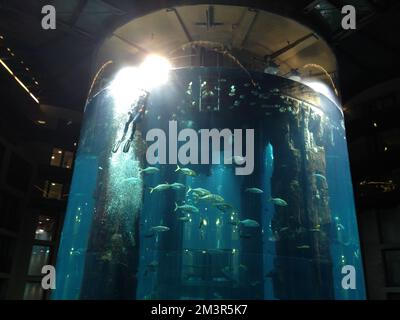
160,187
177,186
199,192
186,171
253,190
149,170
184,219
249,223
186,208
160,229
212,198
278,202
222,206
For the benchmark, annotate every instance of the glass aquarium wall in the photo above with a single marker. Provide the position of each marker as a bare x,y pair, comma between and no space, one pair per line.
139,230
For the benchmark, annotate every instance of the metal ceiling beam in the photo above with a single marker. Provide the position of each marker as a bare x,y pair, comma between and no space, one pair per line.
181,23
131,44
281,51
247,33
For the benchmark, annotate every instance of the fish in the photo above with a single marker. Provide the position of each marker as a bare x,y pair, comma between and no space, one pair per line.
273,238
184,219
278,202
160,187
160,229
284,229
320,176
177,186
224,207
153,264
253,190
186,171
317,228
213,198
304,246
249,223
200,192
149,170
187,208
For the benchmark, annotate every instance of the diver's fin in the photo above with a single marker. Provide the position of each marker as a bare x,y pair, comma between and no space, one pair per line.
116,146
177,168
127,146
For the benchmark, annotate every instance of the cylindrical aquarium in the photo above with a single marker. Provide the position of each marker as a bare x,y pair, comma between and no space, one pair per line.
222,183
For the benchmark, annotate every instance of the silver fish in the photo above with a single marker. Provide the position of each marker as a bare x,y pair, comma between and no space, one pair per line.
199,192
186,171
184,219
320,176
160,229
254,190
177,186
278,202
160,187
212,198
187,208
249,223
149,170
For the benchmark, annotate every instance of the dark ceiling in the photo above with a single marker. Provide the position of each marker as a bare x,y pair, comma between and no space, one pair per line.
60,60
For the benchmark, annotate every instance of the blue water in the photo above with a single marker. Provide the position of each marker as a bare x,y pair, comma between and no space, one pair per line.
109,250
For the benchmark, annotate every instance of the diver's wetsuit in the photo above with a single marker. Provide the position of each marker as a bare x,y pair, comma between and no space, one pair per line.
135,115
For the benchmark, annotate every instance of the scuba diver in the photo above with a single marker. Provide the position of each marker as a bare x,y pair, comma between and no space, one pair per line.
135,115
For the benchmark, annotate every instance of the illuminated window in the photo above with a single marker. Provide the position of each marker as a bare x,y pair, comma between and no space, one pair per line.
33,291
40,257
67,159
52,190
61,158
45,228
56,157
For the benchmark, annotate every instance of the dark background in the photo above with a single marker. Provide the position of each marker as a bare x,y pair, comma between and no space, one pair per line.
37,142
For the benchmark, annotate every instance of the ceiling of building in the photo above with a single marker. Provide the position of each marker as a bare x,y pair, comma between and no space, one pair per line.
249,35
57,65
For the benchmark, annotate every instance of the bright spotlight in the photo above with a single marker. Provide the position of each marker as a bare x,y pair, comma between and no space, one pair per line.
154,71
125,87
130,82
